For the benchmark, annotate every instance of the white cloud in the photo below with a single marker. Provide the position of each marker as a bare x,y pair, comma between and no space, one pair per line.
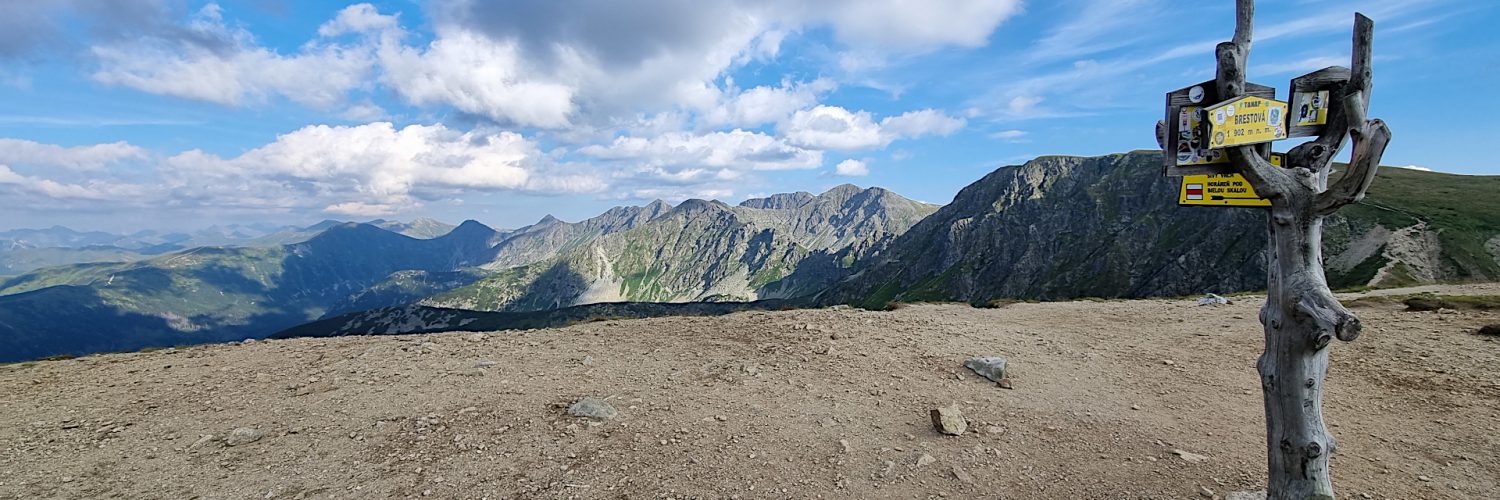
358,167
851,168
216,63
681,153
920,123
358,18
366,169
477,75
58,190
91,157
836,128
833,127
764,104
1010,135
536,63
1414,167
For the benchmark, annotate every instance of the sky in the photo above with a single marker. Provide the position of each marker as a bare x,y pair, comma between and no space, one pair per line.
177,114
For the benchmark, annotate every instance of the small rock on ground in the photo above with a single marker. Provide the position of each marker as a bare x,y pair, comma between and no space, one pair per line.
925,460
1490,330
243,436
593,408
1189,456
949,420
1246,495
990,367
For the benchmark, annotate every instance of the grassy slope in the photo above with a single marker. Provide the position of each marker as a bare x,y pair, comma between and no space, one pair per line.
1464,209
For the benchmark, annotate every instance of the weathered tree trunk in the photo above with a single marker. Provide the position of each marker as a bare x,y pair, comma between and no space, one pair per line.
1301,316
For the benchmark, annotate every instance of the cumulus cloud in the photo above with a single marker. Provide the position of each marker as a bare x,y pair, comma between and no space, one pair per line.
210,61
360,167
90,157
370,169
851,168
682,153
836,128
476,75
540,63
66,192
765,104
833,127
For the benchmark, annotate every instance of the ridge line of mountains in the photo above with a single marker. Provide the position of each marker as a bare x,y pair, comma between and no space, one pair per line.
1057,227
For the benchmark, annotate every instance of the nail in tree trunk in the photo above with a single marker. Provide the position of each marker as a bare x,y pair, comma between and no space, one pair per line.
1301,316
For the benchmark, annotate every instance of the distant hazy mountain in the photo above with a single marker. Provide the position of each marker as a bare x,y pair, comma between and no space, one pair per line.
1062,227
24,250
215,293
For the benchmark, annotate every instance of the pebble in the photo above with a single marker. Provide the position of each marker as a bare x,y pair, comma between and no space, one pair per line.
962,475
925,460
1004,383
844,443
243,436
592,407
1190,457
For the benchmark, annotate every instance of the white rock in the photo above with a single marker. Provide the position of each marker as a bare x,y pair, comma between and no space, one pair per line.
593,408
990,367
243,436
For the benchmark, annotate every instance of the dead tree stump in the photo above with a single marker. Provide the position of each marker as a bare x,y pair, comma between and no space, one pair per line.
1301,316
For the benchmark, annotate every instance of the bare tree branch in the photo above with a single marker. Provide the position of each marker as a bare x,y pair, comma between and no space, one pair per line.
1269,181
1370,136
1244,23
1370,139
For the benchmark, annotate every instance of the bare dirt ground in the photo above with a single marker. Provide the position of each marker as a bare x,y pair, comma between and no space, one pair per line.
797,404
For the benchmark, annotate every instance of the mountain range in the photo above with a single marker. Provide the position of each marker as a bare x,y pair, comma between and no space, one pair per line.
1056,227
25,250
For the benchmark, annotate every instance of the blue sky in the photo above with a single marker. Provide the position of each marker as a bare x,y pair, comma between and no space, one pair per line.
171,114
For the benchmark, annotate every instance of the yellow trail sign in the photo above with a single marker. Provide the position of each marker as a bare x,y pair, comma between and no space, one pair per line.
1245,120
1222,190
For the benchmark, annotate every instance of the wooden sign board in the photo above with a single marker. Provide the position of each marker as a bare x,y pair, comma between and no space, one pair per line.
1185,149
1313,96
1222,190
1244,121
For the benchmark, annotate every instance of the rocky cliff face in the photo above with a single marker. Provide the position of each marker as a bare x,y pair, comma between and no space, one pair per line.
1061,227
704,250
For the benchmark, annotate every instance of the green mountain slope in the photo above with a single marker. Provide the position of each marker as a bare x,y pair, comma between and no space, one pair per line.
212,294
1061,227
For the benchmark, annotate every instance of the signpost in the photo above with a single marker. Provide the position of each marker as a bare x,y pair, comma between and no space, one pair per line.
1185,148
1243,121
1301,316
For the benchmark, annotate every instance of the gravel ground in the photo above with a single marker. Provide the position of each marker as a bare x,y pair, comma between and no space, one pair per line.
1111,399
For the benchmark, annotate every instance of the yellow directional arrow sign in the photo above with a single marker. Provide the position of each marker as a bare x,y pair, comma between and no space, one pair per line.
1245,120
1222,190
